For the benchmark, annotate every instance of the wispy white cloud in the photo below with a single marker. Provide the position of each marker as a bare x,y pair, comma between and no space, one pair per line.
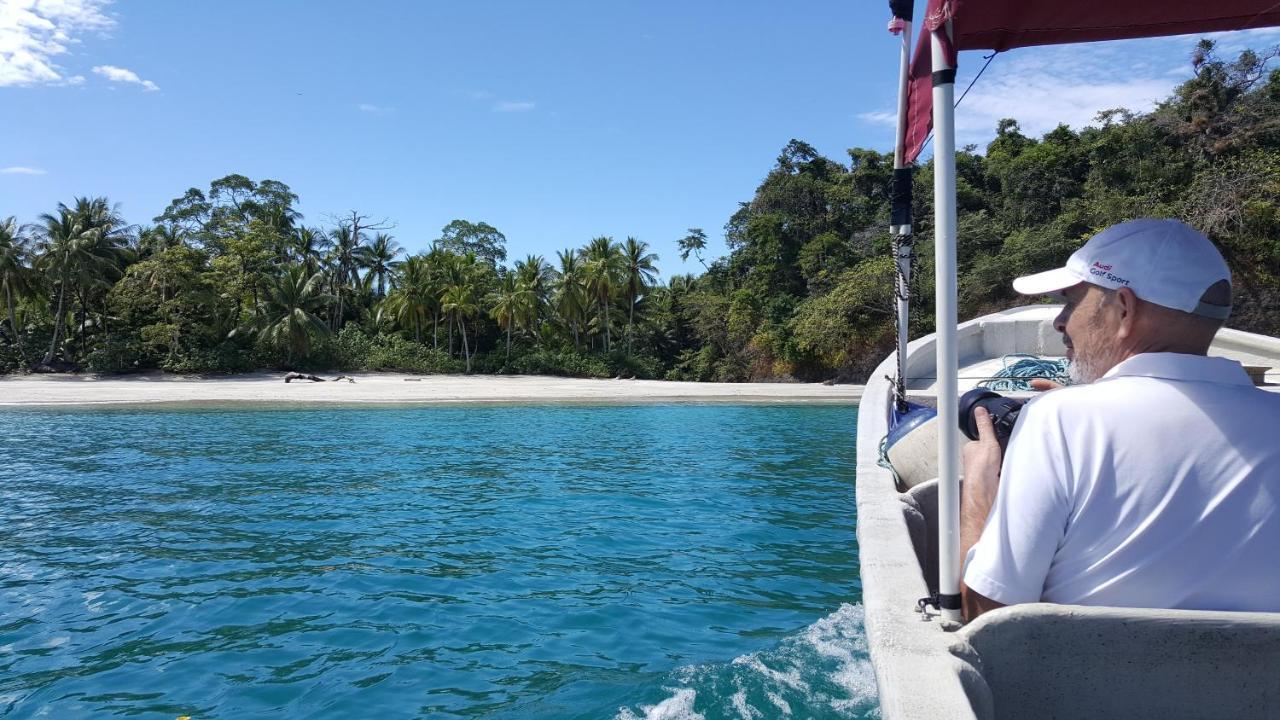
497,104
374,109
34,32
19,170
124,75
510,106
879,118
1042,87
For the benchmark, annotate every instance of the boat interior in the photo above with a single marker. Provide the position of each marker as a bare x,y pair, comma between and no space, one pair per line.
1037,660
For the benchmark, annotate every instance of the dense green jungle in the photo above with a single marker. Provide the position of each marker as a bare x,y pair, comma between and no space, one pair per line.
232,279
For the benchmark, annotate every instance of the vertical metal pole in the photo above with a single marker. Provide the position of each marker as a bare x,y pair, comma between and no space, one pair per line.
904,68
901,224
944,190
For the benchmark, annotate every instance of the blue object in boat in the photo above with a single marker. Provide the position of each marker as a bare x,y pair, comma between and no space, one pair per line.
901,424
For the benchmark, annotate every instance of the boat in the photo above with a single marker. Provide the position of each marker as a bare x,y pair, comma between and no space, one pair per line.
1035,660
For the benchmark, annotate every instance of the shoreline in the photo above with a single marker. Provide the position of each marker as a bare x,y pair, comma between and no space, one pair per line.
161,390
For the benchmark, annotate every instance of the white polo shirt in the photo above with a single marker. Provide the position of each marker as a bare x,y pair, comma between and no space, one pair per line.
1156,486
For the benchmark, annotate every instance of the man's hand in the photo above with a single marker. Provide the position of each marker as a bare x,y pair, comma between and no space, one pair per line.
1044,385
982,458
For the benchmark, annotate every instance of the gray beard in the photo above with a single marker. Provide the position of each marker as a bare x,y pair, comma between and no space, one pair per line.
1083,369
1078,374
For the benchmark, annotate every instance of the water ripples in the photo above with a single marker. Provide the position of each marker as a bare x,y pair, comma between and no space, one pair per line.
520,562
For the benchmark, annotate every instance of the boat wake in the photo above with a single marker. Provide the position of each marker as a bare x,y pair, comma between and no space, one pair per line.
823,671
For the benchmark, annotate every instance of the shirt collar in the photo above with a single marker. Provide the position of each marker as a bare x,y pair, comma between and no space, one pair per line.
1181,366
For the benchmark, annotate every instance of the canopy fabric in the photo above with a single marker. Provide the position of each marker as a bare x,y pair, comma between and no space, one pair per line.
1007,24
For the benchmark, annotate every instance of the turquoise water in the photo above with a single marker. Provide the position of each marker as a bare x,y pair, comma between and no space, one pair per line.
506,562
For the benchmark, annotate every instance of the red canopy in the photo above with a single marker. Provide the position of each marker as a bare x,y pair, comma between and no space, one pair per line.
1006,24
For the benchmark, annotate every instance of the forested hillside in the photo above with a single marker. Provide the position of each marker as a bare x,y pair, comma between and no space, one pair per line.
231,278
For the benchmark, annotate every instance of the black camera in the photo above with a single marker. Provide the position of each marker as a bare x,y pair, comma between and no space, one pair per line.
1004,413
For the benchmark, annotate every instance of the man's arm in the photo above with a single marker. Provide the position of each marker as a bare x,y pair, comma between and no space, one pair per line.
1014,512
982,458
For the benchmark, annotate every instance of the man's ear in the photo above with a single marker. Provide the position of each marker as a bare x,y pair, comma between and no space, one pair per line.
1127,305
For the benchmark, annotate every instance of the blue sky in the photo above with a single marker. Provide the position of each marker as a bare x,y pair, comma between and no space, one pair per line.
553,121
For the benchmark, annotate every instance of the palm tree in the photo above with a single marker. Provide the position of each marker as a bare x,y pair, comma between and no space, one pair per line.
15,276
437,263
459,298
535,277
63,245
287,312
307,246
280,219
681,284
639,274
412,296
507,305
379,258
571,293
448,273
155,240
344,258
84,249
601,277
112,243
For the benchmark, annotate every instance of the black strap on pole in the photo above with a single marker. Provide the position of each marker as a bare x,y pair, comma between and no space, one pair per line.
901,9
900,198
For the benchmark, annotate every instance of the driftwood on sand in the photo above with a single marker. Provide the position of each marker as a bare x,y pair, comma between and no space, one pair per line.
316,378
54,366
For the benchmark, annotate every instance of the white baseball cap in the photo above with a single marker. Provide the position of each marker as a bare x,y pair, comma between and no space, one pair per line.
1166,262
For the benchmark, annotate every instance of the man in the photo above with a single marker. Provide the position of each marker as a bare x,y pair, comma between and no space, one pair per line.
1152,481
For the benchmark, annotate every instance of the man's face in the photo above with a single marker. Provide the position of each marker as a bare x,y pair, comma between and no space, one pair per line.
1088,323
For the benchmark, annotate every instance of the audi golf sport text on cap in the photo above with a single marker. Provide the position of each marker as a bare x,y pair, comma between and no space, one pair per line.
1166,262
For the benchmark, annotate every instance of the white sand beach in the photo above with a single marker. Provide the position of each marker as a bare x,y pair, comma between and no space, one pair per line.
393,388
